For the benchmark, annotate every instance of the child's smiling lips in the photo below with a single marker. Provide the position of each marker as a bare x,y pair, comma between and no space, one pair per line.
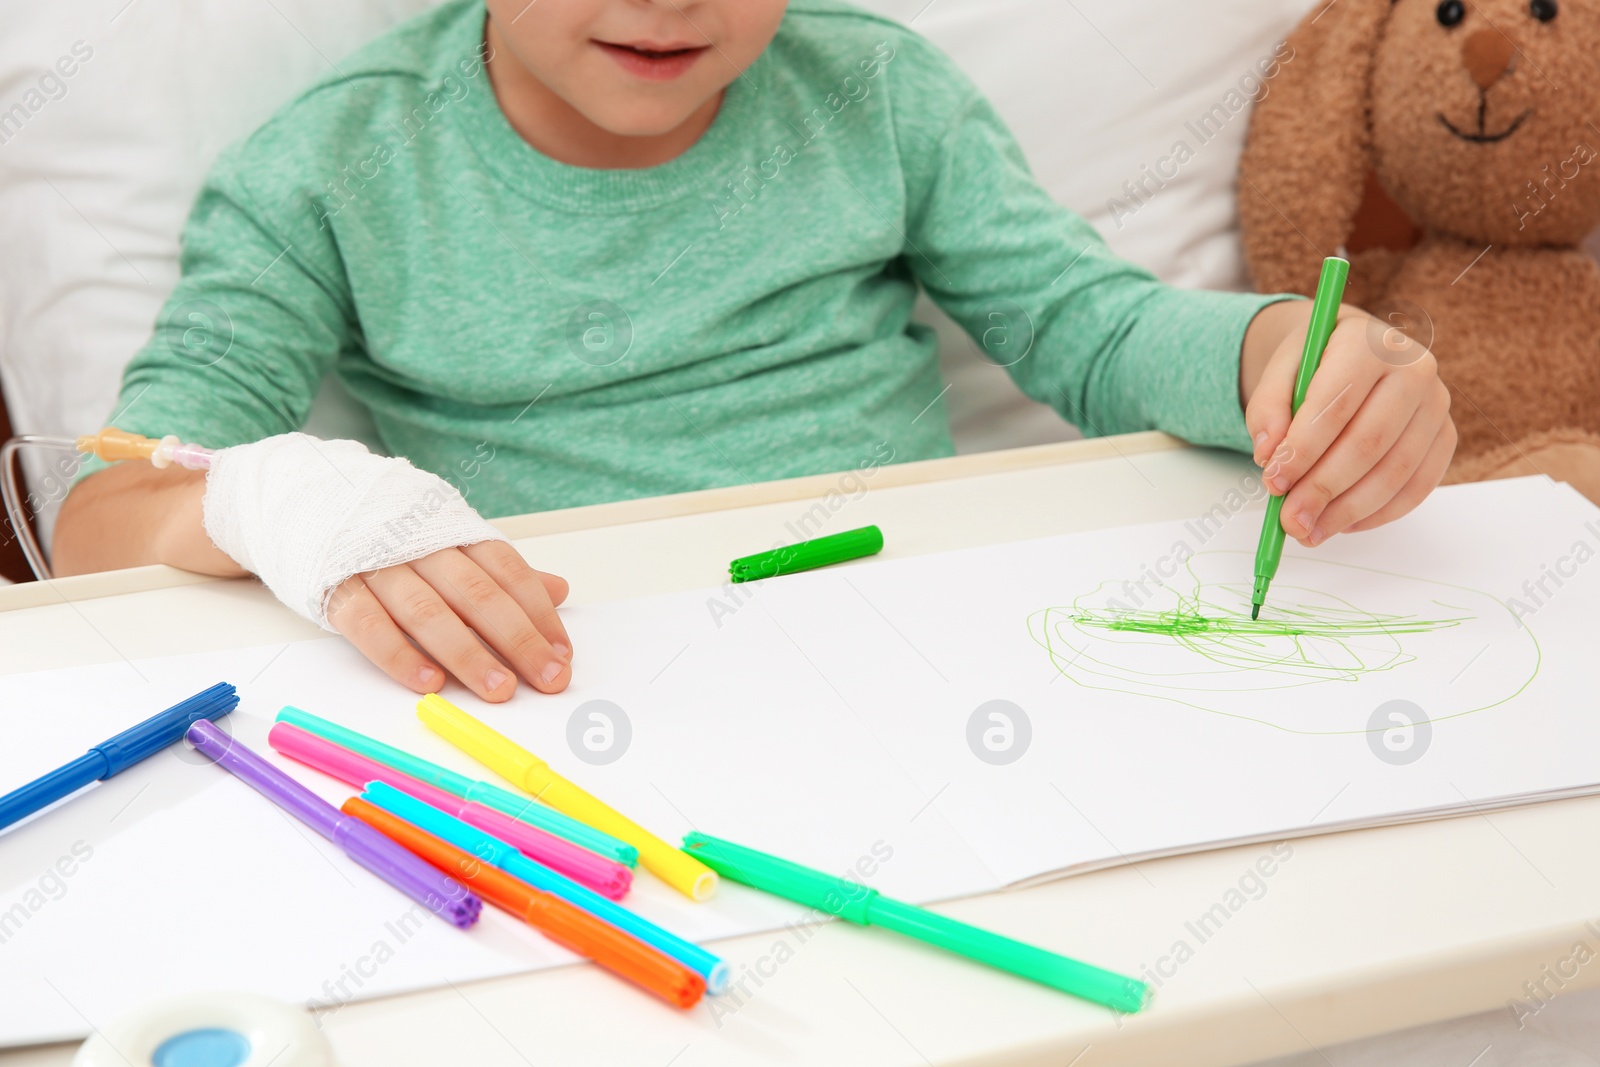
653,61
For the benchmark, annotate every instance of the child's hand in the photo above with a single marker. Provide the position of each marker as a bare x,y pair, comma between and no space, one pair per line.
446,602
1373,437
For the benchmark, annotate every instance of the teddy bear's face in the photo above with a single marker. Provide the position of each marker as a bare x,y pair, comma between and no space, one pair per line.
1486,117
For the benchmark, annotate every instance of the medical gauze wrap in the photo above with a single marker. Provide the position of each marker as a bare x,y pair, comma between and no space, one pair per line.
305,514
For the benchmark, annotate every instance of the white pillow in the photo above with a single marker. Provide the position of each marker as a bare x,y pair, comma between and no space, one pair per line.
99,167
1096,91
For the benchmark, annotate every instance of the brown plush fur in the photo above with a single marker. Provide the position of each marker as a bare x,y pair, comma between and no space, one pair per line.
1497,286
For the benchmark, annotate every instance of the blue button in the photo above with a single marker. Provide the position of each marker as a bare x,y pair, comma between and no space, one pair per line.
202,1048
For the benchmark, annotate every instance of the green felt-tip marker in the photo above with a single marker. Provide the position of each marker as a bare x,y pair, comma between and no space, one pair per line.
1324,316
867,907
808,555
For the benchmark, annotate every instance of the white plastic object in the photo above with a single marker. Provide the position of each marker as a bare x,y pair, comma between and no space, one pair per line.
162,456
210,1030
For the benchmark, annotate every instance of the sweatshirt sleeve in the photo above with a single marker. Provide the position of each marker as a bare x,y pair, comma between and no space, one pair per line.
1097,338
258,318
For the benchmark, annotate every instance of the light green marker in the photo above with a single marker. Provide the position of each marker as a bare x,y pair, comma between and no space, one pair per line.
1324,316
859,904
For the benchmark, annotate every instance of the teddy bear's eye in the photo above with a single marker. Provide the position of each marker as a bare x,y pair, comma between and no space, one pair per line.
1543,10
1451,12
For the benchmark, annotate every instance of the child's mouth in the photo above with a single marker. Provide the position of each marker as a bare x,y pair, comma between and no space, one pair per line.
652,61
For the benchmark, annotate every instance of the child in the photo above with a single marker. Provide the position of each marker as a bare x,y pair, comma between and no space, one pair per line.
582,250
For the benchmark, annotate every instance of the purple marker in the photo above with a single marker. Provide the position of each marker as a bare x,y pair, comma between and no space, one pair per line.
408,873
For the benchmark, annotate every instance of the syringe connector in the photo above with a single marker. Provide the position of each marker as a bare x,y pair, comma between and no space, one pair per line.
114,445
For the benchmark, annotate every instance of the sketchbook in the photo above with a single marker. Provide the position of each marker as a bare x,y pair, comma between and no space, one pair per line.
939,726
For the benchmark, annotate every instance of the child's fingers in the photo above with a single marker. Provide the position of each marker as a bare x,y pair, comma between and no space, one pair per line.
1333,399
1427,476
356,614
535,591
1361,445
555,586
1392,473
420,611
480,602
1266,417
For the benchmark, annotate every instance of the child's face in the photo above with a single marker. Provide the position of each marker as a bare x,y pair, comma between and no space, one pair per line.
636,68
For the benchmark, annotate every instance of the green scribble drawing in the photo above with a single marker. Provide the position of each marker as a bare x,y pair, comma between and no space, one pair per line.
1317,643
1192,641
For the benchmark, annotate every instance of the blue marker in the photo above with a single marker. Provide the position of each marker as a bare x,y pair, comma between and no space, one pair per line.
491,849
117,754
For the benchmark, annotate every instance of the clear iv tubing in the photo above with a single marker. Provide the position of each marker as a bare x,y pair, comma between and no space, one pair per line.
13,498
109,444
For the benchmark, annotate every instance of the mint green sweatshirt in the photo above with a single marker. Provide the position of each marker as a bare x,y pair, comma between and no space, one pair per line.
547,336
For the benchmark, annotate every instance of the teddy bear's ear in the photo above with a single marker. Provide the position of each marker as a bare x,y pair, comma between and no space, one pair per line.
1309,149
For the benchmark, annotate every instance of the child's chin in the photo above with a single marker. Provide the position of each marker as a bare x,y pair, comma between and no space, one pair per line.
633,117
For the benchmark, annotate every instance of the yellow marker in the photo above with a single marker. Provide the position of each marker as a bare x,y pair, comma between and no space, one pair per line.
522,768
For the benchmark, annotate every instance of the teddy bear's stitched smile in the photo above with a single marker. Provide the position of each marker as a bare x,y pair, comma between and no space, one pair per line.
1488,138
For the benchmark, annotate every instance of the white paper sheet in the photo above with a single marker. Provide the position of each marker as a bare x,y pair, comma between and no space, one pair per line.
843,719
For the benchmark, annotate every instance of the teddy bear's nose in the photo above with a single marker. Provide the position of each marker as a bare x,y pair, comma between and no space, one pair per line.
1488,54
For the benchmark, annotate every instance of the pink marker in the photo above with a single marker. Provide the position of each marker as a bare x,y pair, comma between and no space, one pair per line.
606,877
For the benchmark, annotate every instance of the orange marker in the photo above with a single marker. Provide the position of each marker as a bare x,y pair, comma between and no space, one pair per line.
566,925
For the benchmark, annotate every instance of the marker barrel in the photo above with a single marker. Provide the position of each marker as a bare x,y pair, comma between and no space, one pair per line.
1027,961
673,866
360,842
486,846
517,765
569,926
603,875
519,808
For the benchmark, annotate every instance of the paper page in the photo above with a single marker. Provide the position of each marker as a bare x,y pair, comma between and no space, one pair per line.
938,726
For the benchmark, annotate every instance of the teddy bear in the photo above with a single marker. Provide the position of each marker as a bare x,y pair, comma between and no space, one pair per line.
1476,127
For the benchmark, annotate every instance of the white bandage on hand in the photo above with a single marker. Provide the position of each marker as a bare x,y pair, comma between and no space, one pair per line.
305,515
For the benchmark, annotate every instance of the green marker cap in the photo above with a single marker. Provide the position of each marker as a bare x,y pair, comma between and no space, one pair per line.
808,555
